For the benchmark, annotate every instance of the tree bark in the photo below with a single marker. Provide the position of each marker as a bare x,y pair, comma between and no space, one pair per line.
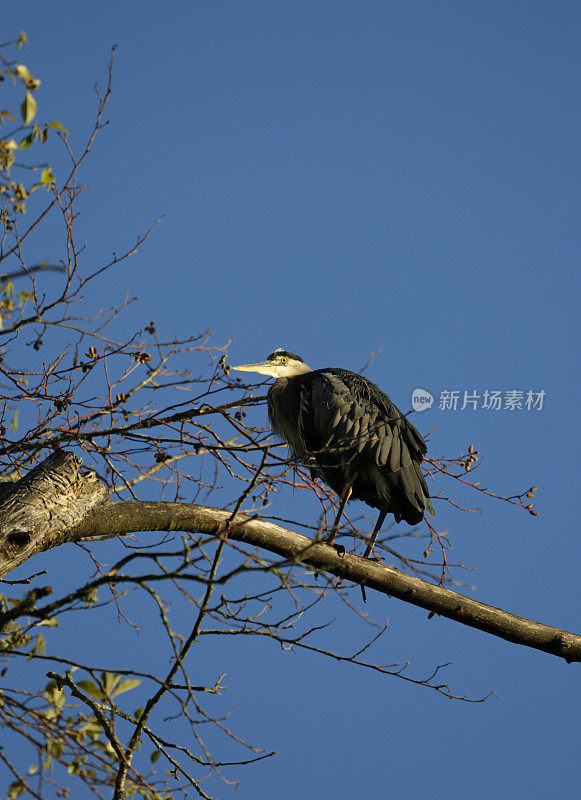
38,511
57,503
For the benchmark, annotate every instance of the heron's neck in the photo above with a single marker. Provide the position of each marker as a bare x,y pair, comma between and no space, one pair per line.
298,368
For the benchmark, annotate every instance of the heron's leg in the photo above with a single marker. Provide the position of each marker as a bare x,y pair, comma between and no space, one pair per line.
371,544
344,498
375,533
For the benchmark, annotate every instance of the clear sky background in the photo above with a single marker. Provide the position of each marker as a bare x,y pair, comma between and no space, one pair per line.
335,176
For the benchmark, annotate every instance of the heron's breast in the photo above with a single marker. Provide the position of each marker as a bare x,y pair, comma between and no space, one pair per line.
284,411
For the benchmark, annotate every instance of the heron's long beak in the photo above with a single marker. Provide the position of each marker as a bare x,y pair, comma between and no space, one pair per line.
262,367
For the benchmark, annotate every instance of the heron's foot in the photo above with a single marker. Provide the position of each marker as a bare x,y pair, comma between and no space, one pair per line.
330,540
331,537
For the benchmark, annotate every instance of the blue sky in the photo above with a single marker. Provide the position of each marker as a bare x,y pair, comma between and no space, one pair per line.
335,176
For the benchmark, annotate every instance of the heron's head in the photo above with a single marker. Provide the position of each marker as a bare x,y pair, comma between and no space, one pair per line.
280,364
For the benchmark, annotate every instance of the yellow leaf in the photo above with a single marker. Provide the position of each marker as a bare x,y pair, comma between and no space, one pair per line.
28,108
58,126
23,73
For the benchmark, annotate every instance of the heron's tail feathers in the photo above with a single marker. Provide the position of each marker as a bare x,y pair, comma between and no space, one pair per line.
406,494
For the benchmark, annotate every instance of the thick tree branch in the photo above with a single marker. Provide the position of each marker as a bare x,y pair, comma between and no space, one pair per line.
57,502
37,511
119,518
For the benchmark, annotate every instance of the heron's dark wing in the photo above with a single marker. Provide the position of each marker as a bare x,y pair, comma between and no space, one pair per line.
352,411
354,415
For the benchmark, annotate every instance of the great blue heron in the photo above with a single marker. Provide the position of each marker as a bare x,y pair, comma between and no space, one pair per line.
350,434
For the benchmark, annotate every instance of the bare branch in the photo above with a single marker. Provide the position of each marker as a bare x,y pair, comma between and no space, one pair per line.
120,518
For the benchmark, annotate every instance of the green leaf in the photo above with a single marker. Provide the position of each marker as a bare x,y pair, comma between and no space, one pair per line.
90,597
28,108
51,622
91,689
154,756
22,39
26,142
125,686
57,126
16,789
38,647
55,697
92,729
56,747
110,681
47,178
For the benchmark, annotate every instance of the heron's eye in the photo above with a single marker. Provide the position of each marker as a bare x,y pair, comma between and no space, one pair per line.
283,360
